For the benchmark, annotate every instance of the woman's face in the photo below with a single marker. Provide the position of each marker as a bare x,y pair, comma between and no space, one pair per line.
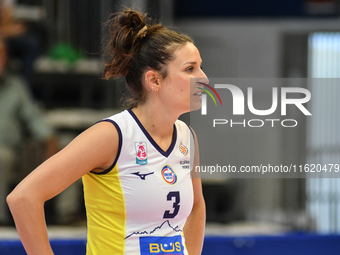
180,88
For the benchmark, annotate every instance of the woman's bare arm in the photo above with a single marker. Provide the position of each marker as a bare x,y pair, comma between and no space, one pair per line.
195,224
93,150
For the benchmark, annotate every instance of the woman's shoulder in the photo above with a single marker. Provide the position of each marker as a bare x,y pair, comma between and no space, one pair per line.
121,119
118,116
184,129
180,124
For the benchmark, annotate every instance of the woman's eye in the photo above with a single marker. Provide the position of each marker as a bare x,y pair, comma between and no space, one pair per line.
190,69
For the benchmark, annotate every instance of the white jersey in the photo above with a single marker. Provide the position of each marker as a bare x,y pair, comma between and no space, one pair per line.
141,203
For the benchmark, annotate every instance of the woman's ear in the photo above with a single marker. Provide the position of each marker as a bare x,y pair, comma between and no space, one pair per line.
152,81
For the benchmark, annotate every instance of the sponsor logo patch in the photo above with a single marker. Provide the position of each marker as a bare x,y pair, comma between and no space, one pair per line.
141,153
185,163
169,175
151,245
183,149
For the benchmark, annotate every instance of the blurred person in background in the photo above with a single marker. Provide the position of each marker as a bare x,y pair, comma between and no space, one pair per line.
21,42
18,112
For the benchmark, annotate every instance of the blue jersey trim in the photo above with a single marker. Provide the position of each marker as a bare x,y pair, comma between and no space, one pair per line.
120,143
191,131
152,141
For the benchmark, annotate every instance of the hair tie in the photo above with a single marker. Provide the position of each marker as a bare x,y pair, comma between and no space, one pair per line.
140,32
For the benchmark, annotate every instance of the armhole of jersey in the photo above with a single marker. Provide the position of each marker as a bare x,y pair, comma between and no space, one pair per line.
192,132
120,142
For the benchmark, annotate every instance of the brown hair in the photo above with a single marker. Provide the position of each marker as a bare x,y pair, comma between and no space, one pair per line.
135,45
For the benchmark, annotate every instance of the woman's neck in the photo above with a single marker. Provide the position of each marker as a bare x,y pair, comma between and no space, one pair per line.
157,120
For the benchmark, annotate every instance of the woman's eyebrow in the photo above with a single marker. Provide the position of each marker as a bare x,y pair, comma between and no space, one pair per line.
190,62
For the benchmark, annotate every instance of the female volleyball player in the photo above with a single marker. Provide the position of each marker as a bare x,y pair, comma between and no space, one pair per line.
139,196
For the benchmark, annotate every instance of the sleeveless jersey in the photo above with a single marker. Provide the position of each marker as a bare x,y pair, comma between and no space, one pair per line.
140,204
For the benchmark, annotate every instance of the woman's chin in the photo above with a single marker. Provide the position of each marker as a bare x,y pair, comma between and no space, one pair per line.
195,106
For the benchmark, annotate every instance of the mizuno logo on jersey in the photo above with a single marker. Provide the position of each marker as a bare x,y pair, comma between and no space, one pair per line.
142,176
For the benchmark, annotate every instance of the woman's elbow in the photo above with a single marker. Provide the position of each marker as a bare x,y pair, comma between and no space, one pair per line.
14,199
19,200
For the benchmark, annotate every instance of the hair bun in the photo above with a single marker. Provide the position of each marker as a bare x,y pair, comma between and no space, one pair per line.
132,21
124,34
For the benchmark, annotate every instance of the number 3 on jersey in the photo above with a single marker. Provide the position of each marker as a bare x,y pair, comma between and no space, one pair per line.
175,205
